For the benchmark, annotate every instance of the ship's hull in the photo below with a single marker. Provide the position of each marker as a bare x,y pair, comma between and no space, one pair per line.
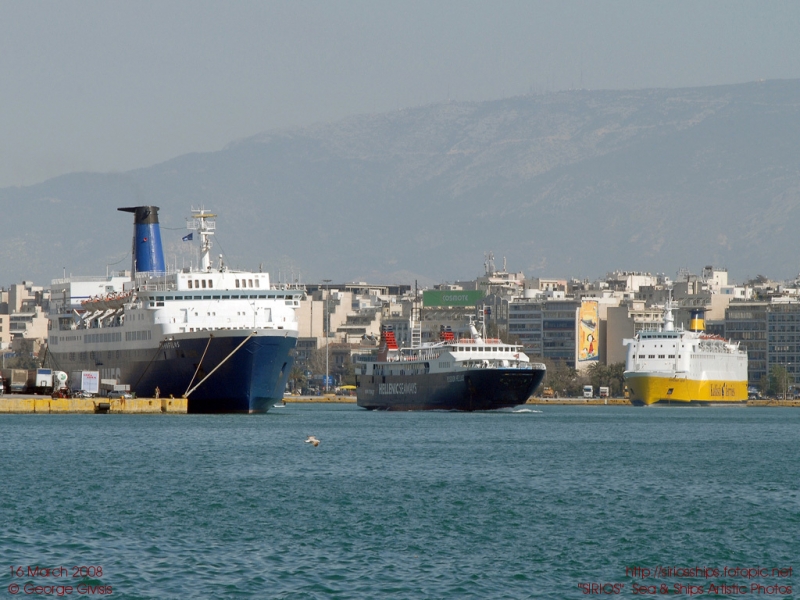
468,390
661,388
249,381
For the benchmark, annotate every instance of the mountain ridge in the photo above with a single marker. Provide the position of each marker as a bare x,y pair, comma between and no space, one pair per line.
566,184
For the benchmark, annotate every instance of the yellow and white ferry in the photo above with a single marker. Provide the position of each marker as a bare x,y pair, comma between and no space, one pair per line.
684,367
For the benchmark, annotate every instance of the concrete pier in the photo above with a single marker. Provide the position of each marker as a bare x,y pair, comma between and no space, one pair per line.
40,404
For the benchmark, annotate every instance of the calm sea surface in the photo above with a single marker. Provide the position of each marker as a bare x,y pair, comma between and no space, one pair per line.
528,504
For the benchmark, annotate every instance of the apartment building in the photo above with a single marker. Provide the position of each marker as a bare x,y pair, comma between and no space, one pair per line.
545,327
771,333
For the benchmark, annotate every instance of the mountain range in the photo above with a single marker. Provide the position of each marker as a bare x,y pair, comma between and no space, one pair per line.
569,184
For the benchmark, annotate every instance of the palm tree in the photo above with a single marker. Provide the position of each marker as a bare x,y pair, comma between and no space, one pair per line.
617,378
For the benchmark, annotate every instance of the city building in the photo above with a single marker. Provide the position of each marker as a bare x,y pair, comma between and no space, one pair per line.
545,326
625,321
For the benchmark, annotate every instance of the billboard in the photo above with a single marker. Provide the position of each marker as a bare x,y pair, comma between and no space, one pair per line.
588,324
451,297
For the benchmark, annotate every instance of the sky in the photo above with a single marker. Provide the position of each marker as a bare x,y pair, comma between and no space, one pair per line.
111,86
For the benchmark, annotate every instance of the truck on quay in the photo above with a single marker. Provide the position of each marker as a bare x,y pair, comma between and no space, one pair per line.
28,381
32,381
19,381
604,392
588,391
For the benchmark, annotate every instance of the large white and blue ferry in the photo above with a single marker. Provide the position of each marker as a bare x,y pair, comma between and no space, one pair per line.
220,337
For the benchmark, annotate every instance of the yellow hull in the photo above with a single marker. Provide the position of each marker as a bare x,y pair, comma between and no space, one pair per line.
648,388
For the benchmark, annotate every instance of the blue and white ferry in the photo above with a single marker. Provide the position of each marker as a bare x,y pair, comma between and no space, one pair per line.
220,337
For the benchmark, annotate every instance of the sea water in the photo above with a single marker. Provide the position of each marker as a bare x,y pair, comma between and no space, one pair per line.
544,502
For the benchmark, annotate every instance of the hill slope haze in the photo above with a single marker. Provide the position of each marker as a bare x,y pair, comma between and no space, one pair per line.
568,184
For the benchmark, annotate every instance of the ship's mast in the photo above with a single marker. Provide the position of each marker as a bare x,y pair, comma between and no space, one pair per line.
202,221
416,319
669,320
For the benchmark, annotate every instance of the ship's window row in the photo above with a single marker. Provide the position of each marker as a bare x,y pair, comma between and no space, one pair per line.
134,336
209,283
192,329
94,338
201,283
248,283
486,348
287,297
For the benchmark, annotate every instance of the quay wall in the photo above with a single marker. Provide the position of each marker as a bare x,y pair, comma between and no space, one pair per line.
39,405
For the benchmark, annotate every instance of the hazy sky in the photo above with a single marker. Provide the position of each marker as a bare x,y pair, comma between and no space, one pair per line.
112,86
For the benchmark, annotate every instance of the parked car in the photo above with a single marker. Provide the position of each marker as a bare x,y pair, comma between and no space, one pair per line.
82,394
115,394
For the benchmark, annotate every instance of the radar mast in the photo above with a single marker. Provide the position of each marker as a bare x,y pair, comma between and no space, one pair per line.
204,223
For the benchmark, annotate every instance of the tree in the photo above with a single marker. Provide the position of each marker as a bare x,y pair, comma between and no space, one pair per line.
317,360
347,372
616,373
297,378
764,385
563,379
22,361
779,381
599,375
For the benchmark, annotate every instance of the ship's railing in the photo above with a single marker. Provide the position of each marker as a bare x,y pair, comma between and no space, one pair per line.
365,358
719,346
79,278
157,287
414,357
493,364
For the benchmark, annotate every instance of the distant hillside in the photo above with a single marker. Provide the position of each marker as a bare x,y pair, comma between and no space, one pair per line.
568,184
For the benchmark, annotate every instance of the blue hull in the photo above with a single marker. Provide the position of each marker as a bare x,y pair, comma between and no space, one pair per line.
250,381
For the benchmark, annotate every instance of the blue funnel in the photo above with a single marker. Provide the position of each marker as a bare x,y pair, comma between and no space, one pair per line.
148,257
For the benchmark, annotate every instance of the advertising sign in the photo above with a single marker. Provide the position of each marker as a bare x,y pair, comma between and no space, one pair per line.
588,327
431,298
90,381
